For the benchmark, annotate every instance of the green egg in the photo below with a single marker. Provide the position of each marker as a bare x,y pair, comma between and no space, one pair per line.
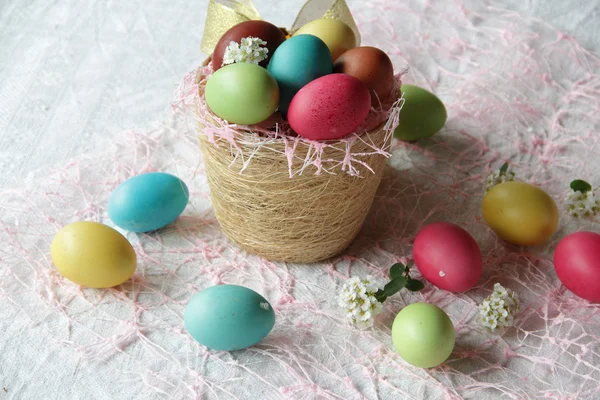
423,335
422,116
242,93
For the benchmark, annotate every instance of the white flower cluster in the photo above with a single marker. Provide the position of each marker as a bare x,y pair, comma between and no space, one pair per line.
498,310
250,51
582,204
497,177
358,298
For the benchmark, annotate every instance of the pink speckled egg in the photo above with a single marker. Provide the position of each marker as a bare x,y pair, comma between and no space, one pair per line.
577,264
329,107
448,257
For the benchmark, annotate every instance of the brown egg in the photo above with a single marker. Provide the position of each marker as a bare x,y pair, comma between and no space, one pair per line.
260,29
371,66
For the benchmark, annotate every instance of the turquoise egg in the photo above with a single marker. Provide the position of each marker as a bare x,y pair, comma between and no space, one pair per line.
296,62
228,317
148,202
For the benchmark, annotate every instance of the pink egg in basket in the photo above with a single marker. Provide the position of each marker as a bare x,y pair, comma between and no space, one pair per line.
329,107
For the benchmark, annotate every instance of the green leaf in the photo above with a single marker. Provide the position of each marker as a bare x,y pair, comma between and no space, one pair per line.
394,286
504,168
579,185
397,270
414,285
380,296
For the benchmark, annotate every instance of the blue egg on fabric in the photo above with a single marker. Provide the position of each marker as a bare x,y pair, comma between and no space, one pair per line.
228,317
148,202
296,62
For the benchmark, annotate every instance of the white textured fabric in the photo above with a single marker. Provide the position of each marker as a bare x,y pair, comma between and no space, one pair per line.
75,75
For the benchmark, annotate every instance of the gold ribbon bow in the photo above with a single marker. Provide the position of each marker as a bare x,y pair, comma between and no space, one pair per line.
224,14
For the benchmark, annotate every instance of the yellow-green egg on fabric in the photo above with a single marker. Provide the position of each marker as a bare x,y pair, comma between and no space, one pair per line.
93,255
228,317
423,114
423,335
242,93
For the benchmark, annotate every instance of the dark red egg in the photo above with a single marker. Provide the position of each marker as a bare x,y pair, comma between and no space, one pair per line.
260,29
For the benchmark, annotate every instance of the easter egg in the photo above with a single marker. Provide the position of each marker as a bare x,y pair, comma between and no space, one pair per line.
338,36
422,115
93,255
256,29
372,67
577,264
423,335
298,60
520,213
242,93
448,257
148,202
228,317
330,107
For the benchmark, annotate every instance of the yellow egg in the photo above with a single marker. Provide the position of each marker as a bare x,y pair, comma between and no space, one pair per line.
520,213
93,255
338,36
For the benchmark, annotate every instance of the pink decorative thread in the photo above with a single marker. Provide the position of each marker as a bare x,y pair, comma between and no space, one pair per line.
516,90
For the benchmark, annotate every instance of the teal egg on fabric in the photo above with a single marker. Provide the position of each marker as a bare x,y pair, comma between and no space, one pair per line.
296,62
148,202
228,317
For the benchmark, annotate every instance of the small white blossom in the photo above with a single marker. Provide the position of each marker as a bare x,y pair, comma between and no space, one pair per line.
357,297
498,310
582,204
232,53
250,51
497,177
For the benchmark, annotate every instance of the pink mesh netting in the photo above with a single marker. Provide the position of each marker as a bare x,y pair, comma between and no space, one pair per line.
515,89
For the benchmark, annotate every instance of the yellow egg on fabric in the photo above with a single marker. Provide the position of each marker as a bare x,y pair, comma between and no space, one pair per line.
338,36
520,213
93,255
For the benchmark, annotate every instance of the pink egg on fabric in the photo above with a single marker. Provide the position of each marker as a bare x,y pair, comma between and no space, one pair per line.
330,107
448,257
577,264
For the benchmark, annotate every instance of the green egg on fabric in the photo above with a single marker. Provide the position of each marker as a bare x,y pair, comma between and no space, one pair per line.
242,93
228,317
423,335
423,114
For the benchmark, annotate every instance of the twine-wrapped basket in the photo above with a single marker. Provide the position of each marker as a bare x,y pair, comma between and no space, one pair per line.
283,197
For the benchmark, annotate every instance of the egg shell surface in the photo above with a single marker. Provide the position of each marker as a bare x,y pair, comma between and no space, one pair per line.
93,255
330,107
148,202
577,264
259,29
423,114
448,257
520,213
423,335
242,93
372,67
298,60
338,36
228,317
